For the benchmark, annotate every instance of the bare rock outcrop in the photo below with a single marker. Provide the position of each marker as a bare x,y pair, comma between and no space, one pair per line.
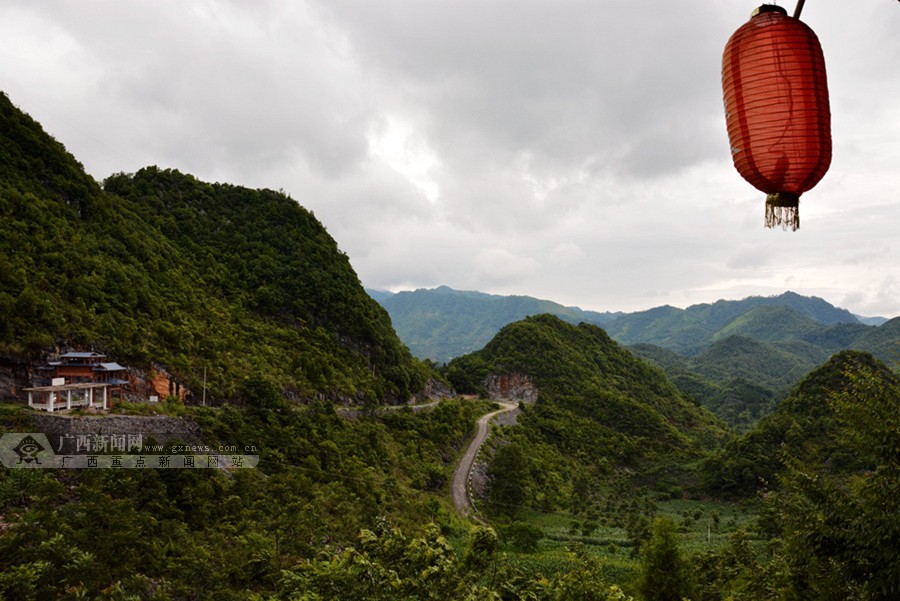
511,386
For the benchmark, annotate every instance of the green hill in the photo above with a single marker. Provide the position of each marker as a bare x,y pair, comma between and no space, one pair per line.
443,323
769,341
668,327
717,377
737,378
883,342
158,267
597,400
721,312
740,357
737,400
768,324
803,424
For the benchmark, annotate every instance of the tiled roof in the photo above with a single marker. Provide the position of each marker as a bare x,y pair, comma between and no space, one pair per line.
109,367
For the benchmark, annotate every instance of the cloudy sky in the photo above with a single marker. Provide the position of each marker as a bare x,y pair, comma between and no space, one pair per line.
573,150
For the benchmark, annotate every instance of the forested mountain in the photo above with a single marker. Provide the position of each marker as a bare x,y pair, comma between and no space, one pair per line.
158,267
687,329
803,425
883,341
827,464
740,357
596,398
443,323
734,357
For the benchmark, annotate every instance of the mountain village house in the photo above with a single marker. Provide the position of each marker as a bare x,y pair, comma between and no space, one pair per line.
77,379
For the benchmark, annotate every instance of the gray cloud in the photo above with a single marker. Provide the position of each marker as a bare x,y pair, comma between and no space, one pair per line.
572,150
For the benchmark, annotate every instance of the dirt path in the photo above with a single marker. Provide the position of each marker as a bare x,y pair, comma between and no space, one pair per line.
461,475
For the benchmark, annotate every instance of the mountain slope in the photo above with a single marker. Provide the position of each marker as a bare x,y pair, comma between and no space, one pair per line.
159,267
443,323
804,425
596,398
768,324
667,326
740,357
686,330
883,342
721,312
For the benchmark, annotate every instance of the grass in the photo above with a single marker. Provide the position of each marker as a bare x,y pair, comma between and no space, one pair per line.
15,417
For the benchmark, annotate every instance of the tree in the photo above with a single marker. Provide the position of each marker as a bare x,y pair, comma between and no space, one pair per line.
507,476
841,531
523,537
585,583
664,572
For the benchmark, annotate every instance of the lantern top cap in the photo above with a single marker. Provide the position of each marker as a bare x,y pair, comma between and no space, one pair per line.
768,8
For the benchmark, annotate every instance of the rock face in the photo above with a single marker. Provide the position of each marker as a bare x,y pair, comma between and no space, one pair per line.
434,389
14,376
510,386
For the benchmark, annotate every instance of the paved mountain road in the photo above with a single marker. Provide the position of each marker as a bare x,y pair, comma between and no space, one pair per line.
461,475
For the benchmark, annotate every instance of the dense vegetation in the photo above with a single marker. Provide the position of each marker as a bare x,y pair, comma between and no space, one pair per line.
160,267
827,472
831,480
805,422
443,323
600,409
614,484
188,534
737,358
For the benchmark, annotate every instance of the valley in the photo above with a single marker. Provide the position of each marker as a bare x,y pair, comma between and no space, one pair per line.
737,450
737,358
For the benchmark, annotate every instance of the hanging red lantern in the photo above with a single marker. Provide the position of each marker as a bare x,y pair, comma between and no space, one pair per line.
776,109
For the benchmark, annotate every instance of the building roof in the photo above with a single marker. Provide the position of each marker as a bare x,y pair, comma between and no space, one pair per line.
76,386
109,367
81,355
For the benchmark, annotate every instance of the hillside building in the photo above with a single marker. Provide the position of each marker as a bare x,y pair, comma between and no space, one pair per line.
77,379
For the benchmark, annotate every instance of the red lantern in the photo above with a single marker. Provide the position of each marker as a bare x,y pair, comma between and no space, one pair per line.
776,109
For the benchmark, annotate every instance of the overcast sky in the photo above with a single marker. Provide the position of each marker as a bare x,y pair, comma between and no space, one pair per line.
573,150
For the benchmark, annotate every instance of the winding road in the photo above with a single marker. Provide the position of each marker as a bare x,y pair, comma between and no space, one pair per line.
461,475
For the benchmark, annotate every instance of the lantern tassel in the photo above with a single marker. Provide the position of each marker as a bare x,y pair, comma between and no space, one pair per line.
783,209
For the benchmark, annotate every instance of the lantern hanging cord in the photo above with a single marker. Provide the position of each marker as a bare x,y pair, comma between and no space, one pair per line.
799,8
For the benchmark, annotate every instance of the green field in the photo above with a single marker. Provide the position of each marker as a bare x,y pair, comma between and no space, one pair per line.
704,525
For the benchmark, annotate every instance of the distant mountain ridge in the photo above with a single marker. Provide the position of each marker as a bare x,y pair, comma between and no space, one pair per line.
442,323
689,330
736,358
